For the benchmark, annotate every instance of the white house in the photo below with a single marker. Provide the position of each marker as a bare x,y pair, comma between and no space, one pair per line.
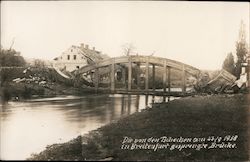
76,57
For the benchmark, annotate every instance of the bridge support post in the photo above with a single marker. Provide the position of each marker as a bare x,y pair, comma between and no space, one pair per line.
124,77
164,76
169,79
138,79
183,79
112,76
147,74
146,100
96,79
153,73
129,74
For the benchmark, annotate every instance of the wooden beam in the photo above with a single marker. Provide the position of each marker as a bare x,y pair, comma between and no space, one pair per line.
96,79
138,79
164,75
154,60
129,74
183,79
112,76
169,79
153,73
153,99
146,100
124,77
146,74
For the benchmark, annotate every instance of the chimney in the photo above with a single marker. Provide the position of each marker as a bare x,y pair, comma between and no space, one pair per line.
82,45
93,48
87,46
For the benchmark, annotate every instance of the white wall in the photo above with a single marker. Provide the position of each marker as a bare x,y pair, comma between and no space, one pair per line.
71,63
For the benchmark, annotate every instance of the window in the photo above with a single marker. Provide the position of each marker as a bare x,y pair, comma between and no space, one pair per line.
68,57
74,57
77,67
71,50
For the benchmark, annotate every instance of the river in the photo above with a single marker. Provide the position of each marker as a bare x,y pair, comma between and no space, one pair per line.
29,126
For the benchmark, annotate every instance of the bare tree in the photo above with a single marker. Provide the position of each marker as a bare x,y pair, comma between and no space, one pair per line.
128,49
12,43
152,53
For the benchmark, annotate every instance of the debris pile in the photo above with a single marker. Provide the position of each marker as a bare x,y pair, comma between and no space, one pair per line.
29,79
224,82
221,83
201,82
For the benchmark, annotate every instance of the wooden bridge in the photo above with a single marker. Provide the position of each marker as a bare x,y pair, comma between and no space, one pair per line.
128,63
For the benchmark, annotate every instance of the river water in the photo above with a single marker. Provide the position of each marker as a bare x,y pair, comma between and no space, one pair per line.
29,126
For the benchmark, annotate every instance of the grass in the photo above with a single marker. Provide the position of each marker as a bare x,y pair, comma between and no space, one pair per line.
199,116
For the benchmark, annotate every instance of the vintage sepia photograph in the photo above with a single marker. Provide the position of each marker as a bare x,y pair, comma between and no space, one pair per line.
124,81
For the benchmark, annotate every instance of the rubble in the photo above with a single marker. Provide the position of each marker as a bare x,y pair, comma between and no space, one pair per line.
31,79
221,83
224,82
201,83
240,82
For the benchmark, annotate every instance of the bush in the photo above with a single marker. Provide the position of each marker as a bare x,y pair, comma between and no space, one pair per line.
11,58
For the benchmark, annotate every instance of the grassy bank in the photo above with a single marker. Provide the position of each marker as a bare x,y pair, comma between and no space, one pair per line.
199,116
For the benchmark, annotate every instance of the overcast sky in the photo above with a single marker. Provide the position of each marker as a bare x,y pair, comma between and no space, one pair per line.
197,33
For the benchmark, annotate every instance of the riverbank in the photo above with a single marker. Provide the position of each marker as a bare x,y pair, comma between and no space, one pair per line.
199,116
19,83
19,91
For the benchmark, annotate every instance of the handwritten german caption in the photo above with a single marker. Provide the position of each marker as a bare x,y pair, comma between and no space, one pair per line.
180,143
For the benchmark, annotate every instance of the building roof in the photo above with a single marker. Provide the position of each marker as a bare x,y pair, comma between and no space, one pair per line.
225,76
93,55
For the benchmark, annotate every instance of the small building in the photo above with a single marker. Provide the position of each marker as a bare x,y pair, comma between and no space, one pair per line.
76,57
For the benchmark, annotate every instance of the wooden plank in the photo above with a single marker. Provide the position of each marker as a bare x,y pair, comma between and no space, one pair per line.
164,75
147,75
129,75
138,79
140,58
183,79
96,79
112,76
169,79
153,77
124,77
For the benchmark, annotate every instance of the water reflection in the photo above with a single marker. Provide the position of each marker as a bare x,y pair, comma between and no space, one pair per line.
30,125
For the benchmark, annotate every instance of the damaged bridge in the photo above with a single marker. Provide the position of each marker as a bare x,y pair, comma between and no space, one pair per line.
126,74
